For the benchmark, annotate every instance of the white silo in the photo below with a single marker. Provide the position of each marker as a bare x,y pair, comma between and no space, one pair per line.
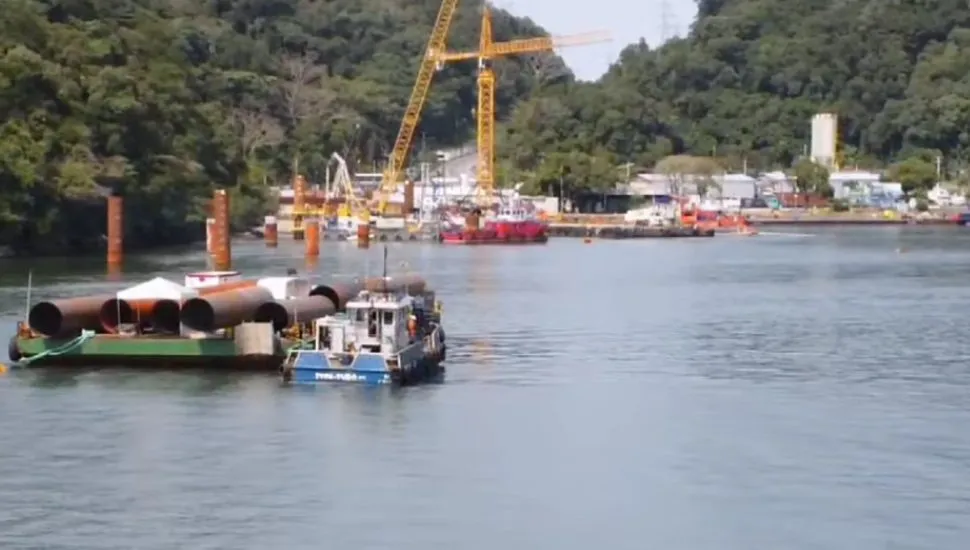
824,136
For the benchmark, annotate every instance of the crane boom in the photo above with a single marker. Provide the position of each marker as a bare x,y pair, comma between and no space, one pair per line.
412,115
526,45
489,50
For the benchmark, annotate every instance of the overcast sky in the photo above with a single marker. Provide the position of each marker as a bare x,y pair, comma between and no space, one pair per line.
626,20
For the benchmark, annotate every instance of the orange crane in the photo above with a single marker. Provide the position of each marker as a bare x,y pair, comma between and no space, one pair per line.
412,114
488,51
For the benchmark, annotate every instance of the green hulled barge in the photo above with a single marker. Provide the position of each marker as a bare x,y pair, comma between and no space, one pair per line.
215,320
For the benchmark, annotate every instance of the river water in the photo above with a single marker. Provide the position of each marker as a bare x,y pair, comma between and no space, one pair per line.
787,391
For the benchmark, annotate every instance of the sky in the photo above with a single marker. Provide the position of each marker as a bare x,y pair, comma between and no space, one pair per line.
626,21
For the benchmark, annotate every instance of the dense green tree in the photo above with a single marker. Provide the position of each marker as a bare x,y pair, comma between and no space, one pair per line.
744,83
164,100
917,175
812,178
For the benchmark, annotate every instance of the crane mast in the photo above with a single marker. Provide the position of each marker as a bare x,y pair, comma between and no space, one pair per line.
489,50
419,94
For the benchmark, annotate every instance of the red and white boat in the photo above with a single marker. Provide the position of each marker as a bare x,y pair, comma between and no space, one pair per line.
511,224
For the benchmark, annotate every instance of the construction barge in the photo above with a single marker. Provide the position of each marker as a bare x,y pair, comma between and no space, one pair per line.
218,319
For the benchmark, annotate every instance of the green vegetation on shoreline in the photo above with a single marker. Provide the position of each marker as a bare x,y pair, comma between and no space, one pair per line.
163,101
743,85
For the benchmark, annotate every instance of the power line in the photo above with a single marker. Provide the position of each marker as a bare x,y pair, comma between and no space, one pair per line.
665,20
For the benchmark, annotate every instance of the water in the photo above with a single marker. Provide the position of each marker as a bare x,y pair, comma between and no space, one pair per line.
794,392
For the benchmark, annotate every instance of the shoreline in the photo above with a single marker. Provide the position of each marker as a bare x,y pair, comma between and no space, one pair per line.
835,222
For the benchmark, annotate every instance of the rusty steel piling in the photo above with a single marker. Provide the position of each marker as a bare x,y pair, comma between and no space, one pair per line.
299,206
271,233
210,243
312,237
116,232
222,248
408,207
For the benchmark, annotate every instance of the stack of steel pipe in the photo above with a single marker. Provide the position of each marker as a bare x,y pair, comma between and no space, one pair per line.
285,313
64,317
223,309
166,315
338,293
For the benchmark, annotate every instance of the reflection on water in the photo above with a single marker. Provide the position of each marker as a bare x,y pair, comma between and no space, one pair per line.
769,392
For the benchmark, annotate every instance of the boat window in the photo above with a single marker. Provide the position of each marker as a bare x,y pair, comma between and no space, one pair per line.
388,317
360,315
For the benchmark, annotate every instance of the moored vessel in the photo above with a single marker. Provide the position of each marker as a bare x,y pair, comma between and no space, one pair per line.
511,223
216,319
390,333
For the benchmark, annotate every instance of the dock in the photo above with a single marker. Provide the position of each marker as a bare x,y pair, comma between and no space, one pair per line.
624,231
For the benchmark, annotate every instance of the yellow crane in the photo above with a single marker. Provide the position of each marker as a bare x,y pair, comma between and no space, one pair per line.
488,51
412,114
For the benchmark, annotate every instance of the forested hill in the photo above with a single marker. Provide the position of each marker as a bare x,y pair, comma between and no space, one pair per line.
163,100
746,80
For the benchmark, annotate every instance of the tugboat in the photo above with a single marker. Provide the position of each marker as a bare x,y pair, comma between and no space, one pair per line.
512,224
390,333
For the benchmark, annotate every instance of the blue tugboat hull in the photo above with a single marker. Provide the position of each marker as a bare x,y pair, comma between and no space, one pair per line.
321,367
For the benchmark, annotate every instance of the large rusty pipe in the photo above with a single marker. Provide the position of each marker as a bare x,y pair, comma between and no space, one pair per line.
117,311
338,293
412,284
223,309
165,316
62,317
286,313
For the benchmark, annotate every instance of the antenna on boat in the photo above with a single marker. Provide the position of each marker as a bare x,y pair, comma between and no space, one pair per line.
384,276
30,284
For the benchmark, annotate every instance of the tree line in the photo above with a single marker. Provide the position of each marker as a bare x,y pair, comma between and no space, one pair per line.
742,86
163,101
